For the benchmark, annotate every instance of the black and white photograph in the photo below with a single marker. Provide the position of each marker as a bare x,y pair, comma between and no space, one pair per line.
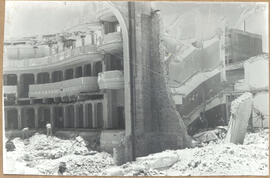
135,88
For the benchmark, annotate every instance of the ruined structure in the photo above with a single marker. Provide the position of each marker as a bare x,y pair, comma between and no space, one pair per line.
106,85
204,82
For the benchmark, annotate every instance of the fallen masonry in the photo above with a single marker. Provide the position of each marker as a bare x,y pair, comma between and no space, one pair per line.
241,109
250,158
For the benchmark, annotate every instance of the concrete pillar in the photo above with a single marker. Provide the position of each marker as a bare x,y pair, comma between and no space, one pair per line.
50,77
107,111
65,108
75,115
6,121
19,118
92,69
35,78
51,116
83,71
36,117
85,115
94,115
18,87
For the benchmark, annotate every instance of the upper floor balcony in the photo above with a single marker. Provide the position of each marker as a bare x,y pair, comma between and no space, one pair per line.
111,79
112,43
63,88
65,56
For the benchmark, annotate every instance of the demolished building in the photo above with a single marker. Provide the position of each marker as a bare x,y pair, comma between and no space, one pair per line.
207,79
99,84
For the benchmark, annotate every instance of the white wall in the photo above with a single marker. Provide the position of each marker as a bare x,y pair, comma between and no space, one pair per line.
261,102
256,72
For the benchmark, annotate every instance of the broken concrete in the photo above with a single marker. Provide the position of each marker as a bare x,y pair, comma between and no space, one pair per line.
240,113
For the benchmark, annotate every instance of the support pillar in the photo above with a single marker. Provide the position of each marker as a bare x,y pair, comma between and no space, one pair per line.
36,117
85,116
65,108
51,116
19,118
6,121
94,115
35,78
75,115
18,88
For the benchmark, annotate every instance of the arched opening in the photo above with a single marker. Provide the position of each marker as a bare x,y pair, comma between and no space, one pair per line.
87,70
99,115
28,118
78,72
79,116
10,79
43,116
69,116
57,76
68,74
58,117
97,68
89,114
11,119
26,80
43,77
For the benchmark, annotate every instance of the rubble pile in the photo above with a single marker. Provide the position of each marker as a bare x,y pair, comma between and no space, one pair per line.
251,158
40,146
213,158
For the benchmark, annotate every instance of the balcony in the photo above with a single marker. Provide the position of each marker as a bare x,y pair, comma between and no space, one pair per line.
64,88
111,80
65,56
105,14
112,43
10,91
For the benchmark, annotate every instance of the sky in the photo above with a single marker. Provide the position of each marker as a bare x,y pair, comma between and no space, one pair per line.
184,19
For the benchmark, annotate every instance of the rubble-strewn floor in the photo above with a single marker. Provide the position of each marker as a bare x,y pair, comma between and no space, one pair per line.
42,155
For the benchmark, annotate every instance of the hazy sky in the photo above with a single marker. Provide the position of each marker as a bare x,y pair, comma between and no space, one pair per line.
31,18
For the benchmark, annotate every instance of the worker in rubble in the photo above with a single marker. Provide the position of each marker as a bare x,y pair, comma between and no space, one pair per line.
49,129
25,133
62,168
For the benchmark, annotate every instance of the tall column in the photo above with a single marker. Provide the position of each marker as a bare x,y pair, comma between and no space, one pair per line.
85,115
50,77
94,115
18,87
36,117
106,109
65,109
19,118
76,115
51,116
92,69
35,78
6,121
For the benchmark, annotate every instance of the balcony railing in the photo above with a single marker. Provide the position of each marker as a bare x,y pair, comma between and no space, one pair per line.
112,43
64,88
111,79
65,55
12,89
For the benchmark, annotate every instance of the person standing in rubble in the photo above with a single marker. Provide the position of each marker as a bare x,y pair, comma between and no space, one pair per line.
25,133
49,129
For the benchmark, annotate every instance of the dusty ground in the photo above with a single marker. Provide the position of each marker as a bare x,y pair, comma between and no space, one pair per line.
42,155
